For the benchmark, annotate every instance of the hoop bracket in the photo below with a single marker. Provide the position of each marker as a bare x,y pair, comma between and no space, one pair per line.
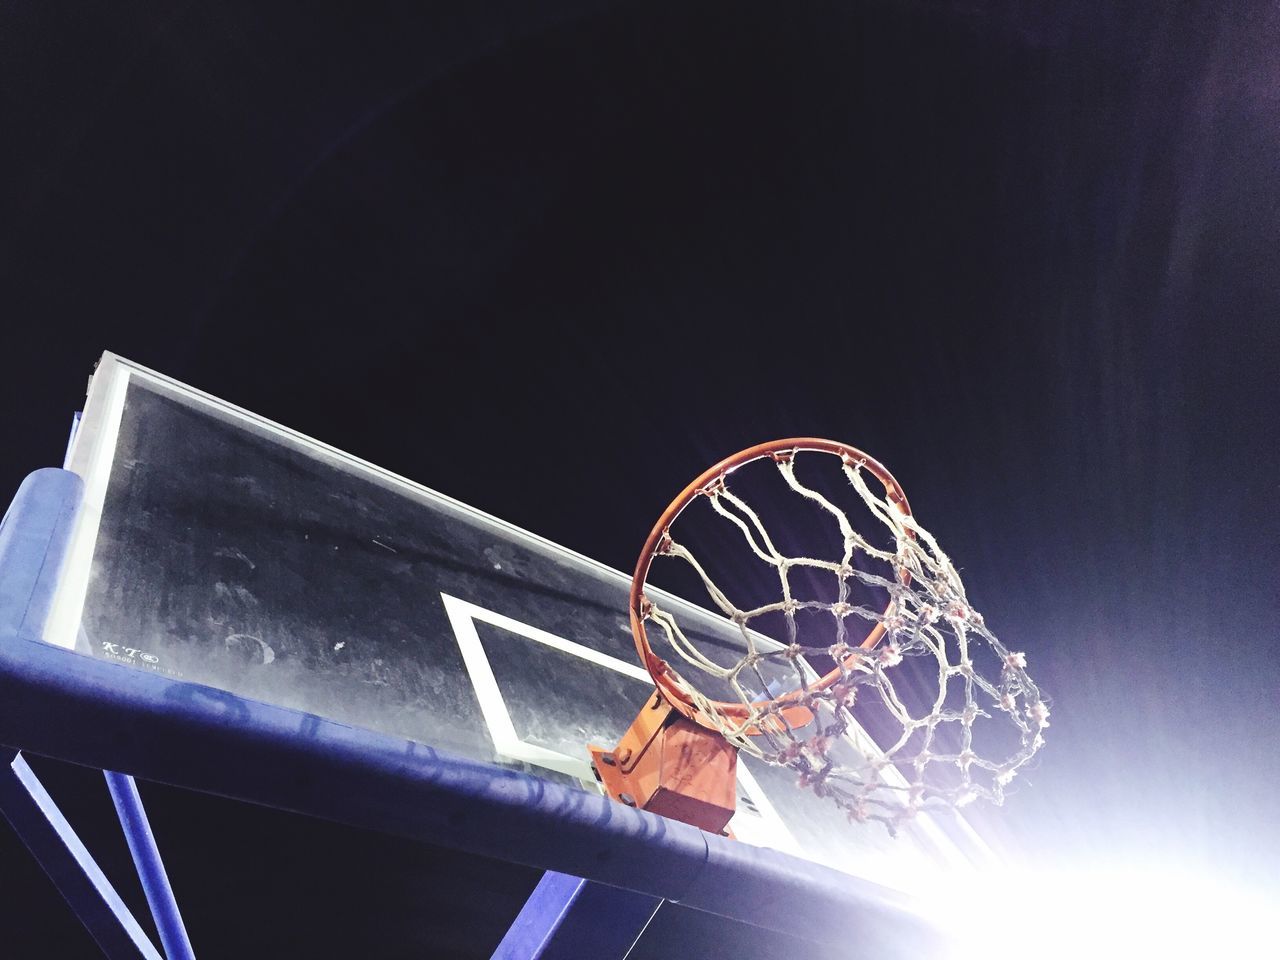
672,766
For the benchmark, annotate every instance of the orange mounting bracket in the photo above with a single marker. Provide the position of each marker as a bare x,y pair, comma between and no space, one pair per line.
672,766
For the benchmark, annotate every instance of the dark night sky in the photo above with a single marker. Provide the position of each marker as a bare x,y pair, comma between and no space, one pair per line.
555,259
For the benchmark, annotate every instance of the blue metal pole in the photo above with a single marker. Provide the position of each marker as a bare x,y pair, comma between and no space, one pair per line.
146,858
566,918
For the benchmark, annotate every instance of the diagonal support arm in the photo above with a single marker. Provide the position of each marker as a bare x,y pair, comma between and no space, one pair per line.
40,825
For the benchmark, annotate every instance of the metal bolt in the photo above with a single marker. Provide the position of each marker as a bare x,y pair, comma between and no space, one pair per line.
626,798
608,758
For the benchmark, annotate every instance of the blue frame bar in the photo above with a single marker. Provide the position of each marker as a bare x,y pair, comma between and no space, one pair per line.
568,918
209,740
40,825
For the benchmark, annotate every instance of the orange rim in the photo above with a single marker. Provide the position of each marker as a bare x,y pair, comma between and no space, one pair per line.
657,667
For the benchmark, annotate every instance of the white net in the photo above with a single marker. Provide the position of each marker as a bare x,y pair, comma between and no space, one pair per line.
926,755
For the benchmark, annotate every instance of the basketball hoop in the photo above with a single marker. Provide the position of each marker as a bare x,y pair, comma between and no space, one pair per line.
811,728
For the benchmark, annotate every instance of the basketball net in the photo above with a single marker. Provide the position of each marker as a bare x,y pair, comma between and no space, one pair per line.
928,759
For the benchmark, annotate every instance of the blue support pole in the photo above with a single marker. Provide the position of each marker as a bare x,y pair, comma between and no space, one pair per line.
40,825
567,918
146,857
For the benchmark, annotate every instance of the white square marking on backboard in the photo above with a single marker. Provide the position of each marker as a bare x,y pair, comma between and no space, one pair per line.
763,829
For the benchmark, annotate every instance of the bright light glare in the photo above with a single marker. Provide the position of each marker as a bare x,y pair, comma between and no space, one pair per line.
1101,914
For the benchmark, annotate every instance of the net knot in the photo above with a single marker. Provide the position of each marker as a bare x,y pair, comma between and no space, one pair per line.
815,780
790,753
915,796
1038,713
890,654
844,694
713,489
